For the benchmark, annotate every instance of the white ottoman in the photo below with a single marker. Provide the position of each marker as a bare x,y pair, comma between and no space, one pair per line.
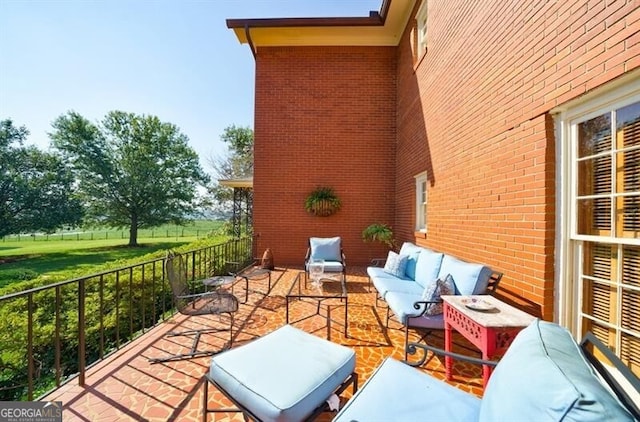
286,375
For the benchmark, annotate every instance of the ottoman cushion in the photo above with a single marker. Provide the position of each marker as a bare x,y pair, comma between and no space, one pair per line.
283,376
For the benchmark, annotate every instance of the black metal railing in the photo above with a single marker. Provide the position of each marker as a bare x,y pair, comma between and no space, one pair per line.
50,335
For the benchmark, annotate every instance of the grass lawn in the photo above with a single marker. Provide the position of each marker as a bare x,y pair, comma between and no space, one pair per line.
29,257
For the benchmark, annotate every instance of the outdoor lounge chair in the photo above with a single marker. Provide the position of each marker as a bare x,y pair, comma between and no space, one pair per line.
328,250
545,375
217,302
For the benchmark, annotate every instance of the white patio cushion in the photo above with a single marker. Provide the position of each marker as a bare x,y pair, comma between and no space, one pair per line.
327,248
284,375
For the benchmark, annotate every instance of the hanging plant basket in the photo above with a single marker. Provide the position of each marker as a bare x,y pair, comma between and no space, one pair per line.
322,202
378,232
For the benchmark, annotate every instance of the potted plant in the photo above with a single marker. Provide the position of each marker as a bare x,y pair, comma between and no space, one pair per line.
378,232
322,201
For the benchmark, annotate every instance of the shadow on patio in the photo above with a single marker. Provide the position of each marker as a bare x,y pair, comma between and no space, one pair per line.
126,386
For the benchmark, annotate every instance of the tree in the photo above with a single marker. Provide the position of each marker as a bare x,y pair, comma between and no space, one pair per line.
238,163
36,188
133,171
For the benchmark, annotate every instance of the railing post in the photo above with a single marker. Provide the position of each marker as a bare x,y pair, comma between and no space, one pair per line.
101,297
57,337
193,265
118,307
142,299
131,330
81,333
30,366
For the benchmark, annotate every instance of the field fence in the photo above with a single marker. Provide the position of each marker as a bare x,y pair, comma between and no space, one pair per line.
158,233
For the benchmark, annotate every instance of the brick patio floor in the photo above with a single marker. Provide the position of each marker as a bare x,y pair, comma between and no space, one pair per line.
126,386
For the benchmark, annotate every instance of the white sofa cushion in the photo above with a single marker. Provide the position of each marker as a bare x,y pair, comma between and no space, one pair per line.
385,282
470,279
411,251
428,267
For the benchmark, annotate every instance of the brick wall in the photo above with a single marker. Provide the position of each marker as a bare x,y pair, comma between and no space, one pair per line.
473,112
324,117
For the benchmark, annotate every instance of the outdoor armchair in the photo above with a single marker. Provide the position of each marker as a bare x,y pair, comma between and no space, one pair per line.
217,302
328,249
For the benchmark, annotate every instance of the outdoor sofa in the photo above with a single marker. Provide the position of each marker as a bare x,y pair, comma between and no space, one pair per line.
544,376
405,277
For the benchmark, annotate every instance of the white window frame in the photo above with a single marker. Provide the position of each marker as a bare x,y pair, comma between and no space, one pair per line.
421,26
568,295
421,196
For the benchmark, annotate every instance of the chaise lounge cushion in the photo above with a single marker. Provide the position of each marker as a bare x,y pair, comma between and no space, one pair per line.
398,392
545,376
284,375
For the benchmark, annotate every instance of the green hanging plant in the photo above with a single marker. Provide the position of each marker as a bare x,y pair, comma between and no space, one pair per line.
322,201
378,232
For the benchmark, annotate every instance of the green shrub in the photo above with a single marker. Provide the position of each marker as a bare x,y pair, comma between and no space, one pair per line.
17,274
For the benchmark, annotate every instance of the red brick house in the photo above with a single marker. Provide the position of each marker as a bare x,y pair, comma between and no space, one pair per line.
502,132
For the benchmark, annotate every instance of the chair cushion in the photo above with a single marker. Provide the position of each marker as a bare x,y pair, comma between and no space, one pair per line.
330,266
470,279
284,375
396,264
398,392
327,248
428,267
544,376
333,266
411,251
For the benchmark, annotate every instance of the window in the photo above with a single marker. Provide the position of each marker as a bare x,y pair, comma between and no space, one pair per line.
421,202
421,24
602,276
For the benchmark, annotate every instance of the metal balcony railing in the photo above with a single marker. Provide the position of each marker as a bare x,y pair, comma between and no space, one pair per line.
51,335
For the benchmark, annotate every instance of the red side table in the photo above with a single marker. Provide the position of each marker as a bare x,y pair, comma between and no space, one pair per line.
488,323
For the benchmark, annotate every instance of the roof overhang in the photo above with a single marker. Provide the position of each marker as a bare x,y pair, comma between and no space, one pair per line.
245,182
382,28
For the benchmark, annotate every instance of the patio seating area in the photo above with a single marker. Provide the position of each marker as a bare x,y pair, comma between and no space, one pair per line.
126,386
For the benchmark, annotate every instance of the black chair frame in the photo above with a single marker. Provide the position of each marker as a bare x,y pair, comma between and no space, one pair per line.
421,307
209,303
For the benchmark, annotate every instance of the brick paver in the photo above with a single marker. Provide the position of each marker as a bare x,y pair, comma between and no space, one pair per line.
126,386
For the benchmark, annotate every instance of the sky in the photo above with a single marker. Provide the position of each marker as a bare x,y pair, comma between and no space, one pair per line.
173,59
